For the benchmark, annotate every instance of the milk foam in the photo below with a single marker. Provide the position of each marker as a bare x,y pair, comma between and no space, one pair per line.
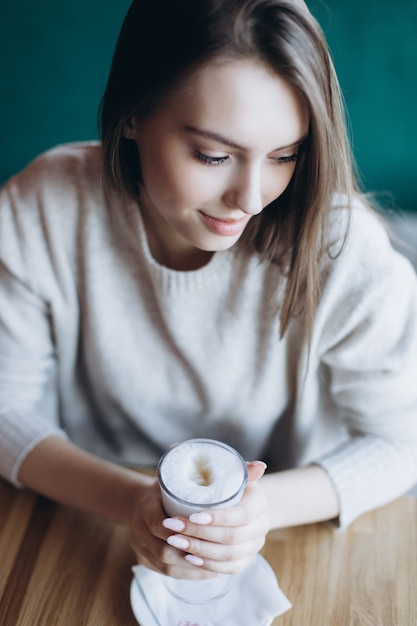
202,472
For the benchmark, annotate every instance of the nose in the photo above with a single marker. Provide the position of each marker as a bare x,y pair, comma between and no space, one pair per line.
244,190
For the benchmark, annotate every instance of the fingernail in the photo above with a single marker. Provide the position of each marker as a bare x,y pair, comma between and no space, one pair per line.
200,518
264,465
194,560
178,542
173,524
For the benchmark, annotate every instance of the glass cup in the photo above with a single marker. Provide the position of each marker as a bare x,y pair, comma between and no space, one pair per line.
194,476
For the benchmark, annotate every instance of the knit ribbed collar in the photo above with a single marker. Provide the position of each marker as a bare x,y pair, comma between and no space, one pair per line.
169,279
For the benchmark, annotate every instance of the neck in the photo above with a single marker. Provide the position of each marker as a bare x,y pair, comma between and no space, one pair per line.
167,251
180,260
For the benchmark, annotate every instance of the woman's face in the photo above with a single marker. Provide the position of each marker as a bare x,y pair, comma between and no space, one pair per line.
214,155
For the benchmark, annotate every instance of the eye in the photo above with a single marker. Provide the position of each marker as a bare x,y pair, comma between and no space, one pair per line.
209,160
283,160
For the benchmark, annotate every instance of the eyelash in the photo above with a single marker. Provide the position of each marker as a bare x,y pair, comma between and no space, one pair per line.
208,160
213,161
286,159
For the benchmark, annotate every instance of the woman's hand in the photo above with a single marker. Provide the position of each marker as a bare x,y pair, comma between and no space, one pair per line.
148,536
220,541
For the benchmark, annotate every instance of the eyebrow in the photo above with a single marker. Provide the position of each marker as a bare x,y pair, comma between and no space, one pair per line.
232,144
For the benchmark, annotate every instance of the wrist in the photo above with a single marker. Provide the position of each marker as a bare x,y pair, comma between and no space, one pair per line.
63,472
136,486
299,496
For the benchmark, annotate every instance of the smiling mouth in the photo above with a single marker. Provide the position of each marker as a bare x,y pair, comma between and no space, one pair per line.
225,227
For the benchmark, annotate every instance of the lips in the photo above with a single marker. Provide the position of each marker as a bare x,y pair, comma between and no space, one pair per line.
225,227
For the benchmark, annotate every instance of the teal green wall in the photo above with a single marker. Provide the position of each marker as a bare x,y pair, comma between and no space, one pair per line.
54,59
374,47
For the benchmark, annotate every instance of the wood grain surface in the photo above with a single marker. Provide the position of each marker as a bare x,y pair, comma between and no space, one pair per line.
60,567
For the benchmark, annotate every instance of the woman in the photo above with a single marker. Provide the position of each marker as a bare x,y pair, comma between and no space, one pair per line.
210,270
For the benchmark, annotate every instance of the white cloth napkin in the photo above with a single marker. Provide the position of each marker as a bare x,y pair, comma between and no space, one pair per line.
254,599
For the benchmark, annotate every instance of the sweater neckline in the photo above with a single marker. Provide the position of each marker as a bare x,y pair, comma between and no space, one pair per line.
171,279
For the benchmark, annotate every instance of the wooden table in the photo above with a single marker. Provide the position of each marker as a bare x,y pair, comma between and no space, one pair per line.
59,567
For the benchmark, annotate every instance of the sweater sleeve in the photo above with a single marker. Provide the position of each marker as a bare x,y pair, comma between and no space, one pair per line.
368,344
28,411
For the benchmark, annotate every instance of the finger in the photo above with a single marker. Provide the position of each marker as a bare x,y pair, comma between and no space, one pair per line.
165,559
222,567
251,507
223,543
182,569
218,551
227,535
256,469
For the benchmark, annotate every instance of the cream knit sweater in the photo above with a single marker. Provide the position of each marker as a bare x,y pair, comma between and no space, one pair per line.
124,356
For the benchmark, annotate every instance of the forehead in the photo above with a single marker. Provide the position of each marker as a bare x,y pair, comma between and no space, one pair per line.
242,100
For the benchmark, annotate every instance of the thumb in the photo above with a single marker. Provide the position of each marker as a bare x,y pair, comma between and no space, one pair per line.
256,469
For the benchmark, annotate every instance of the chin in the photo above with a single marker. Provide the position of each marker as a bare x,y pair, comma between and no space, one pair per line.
219,244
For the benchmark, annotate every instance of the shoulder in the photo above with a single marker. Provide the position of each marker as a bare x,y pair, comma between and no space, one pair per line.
359,243
59,185
354,224
44,207
366,283
66,165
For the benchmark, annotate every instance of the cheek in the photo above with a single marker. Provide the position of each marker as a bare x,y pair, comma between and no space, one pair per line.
168,172
184,186
161,178
177,183
277,182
